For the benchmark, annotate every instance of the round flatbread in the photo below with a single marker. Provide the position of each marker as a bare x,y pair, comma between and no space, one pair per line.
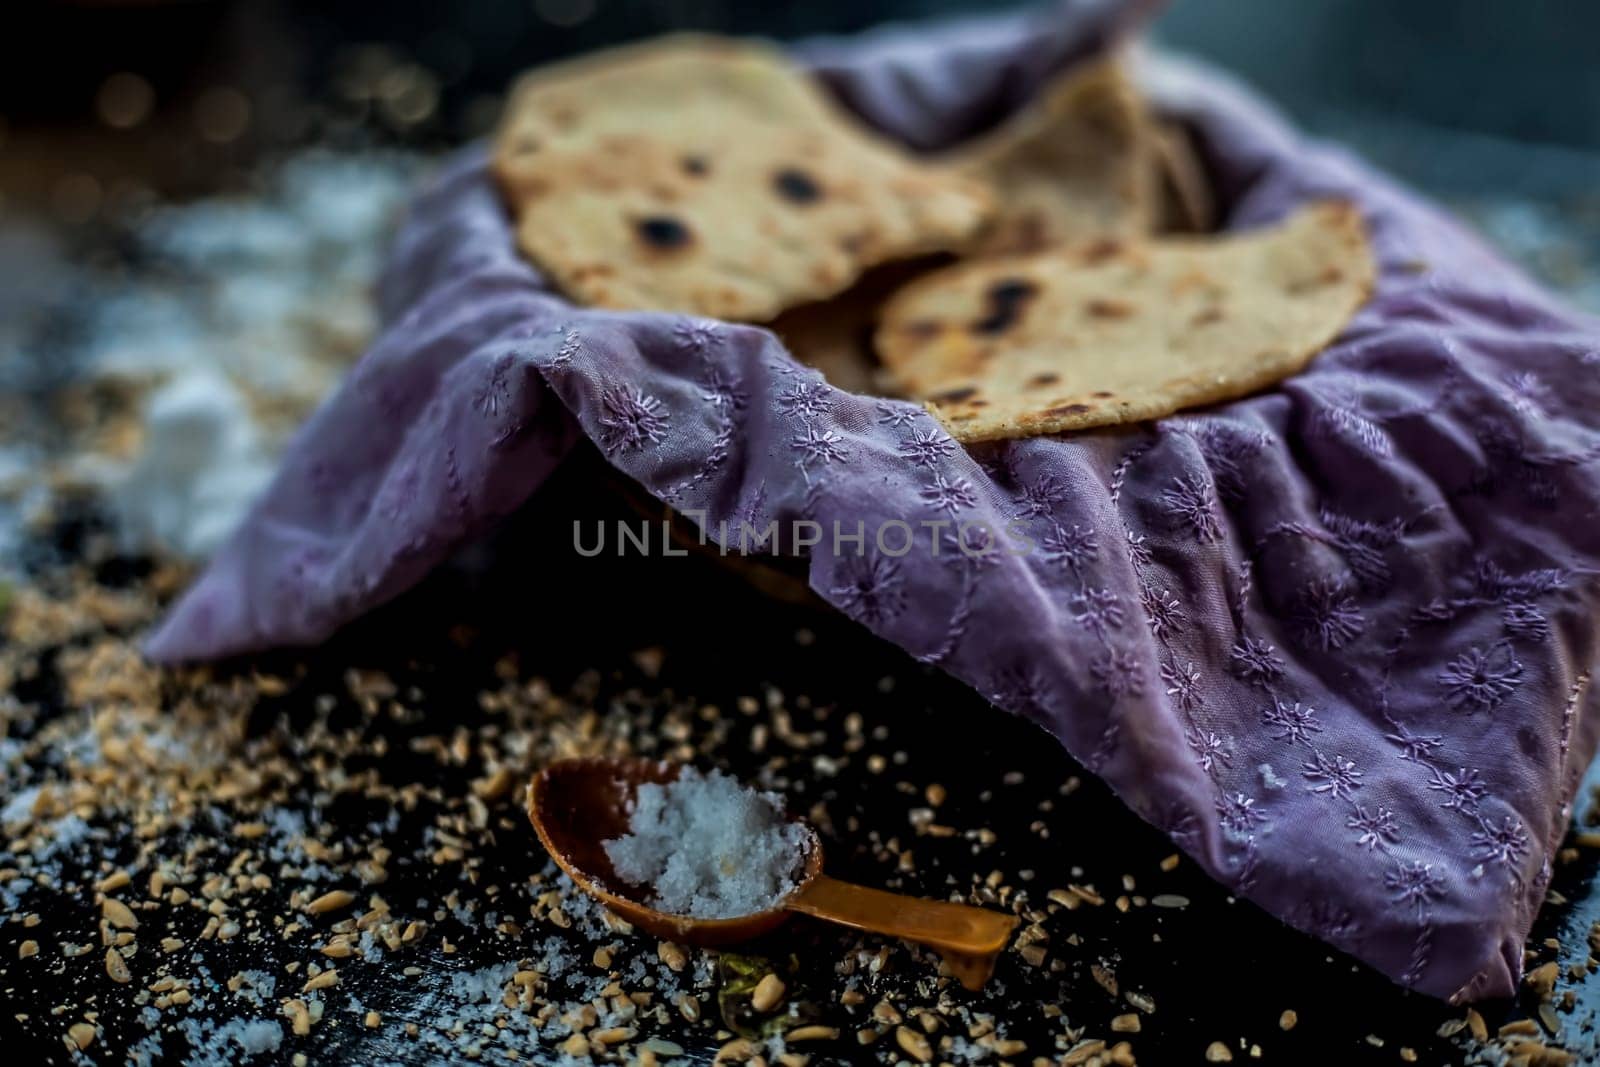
710,176
1114,332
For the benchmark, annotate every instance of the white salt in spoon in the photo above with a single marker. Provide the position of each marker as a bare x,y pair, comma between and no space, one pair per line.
577,805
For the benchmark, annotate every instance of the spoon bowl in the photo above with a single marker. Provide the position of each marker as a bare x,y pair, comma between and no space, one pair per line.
577,805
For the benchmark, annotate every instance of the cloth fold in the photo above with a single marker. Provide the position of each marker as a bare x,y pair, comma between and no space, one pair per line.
1336,639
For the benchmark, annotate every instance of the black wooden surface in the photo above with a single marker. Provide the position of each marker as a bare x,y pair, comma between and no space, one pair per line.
1216,970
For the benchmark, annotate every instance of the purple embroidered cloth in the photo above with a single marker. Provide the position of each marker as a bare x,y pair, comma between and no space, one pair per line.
1335,639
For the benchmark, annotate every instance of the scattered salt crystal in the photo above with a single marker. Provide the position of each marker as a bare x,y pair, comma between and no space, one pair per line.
255,1035
471,987
709,847
201,466
249,314
19,808
256,987
66,833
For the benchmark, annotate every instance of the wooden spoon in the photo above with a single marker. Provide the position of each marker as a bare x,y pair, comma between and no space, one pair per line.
577,805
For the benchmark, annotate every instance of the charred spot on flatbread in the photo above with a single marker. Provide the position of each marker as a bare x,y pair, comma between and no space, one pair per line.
663,232
1006,300
796,186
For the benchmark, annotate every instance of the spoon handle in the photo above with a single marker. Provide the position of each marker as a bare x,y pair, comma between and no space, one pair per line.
969,938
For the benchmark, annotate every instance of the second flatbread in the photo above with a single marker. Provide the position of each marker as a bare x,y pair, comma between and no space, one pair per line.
710,176
1075,165
1108,333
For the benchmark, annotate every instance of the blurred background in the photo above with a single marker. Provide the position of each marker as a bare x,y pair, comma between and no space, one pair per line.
194,194
105,101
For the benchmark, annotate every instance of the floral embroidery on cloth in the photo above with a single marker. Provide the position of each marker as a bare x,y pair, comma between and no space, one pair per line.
1335,638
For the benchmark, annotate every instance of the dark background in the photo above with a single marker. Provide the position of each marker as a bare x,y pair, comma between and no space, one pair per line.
106,108
1507,95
